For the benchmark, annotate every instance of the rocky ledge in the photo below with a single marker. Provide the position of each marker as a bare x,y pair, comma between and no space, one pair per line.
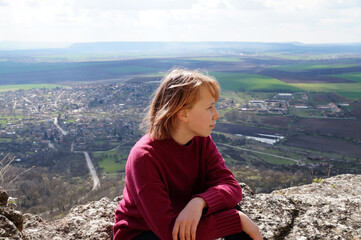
326,209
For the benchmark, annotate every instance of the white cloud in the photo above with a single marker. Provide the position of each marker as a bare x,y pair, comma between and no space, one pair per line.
181,20
3,3
126,5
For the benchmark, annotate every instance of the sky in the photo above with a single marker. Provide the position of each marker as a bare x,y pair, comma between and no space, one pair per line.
305,21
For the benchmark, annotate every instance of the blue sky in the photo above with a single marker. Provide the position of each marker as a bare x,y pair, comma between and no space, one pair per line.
306,21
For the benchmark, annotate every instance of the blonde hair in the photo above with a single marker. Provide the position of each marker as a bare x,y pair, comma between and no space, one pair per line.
178,90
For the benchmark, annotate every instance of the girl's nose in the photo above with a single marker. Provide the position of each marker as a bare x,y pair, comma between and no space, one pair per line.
216,114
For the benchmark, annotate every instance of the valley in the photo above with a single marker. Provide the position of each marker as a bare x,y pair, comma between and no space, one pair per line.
284,120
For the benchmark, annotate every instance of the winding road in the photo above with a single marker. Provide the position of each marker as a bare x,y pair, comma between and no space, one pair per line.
60,129
96,182
93,173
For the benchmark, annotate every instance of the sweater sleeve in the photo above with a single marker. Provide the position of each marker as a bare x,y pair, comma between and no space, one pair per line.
148,191
223,191
155,206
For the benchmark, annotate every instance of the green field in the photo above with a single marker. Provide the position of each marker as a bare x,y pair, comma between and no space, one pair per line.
343,89
110,166
5,140
307,56
5,88
3,122
309,66
216,59
251,82
274,160
2,117
354,76
352,95
111,161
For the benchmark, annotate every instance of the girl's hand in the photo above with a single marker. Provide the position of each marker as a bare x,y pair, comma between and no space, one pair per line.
249,227
185,226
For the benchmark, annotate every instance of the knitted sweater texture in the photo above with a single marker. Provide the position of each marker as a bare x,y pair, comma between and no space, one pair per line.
163,176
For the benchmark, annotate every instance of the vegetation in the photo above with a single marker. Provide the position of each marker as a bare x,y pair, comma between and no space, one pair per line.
317,180
9,174
353,76
112,161
311,66
251,82
329,87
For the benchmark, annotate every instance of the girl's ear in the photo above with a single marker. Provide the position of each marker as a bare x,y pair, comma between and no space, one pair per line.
182,115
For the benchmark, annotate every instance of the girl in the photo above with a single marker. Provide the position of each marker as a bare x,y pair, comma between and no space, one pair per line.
177,184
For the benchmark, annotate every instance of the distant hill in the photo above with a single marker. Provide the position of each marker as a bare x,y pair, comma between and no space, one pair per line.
23,45
209,47
180,47
24,62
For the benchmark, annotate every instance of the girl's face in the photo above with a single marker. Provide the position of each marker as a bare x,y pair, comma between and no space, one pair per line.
203,115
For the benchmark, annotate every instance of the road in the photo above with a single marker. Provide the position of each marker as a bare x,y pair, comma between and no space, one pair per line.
96,182
57,125
51,146
57,99
93,173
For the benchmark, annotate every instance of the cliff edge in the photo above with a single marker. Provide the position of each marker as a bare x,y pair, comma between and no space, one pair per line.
326,209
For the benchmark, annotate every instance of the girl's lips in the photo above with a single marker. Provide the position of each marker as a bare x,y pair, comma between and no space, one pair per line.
212,126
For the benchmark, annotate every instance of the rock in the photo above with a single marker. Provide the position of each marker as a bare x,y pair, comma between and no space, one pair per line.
91,221
11,221
326,210
14,216
8,230
274,215
3,197
246,190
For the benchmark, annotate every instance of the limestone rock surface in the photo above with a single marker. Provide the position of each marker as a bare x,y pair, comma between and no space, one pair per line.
329,209
92,221
11,221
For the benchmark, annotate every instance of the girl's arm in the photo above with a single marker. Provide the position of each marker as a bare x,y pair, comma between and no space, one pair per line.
185,226
222,191
249,227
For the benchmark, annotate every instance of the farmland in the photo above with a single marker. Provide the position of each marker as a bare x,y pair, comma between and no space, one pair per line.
309,66
354,76
112,161
243,73
349,129
251,82
342,88
246,130
324,144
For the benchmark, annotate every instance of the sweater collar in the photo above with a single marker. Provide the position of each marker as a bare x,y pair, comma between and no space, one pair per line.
172,145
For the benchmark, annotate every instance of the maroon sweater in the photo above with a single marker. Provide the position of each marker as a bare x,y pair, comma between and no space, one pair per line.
163,176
